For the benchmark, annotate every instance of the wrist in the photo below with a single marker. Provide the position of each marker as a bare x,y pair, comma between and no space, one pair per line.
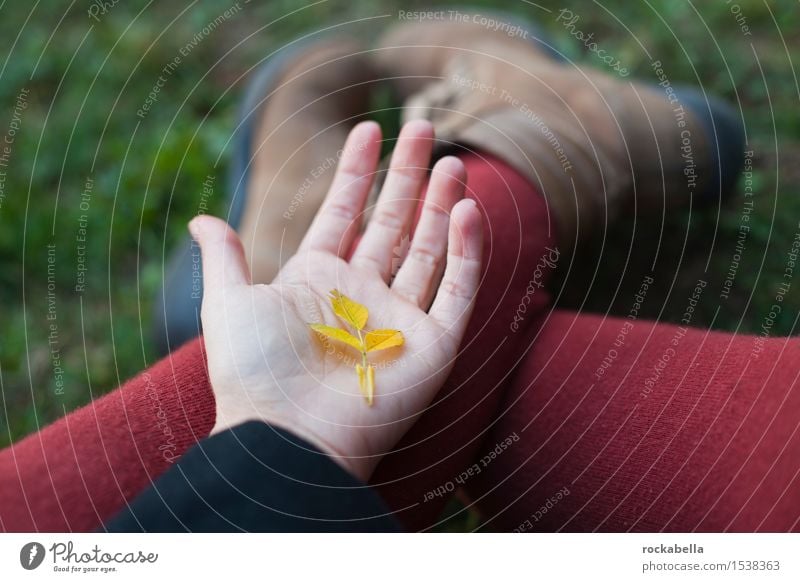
227,418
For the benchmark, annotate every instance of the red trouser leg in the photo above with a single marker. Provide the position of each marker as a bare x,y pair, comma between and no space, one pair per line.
82,469
634,426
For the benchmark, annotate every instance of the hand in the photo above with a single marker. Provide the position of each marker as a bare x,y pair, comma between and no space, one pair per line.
266,363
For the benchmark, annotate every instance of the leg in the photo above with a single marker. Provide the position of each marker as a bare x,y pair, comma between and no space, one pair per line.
633,426
593,145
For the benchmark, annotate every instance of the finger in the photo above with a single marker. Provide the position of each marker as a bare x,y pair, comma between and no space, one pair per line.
337,221
398,200
224,262
456,295
416,280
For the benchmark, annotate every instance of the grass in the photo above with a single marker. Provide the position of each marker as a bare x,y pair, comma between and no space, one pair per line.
82,82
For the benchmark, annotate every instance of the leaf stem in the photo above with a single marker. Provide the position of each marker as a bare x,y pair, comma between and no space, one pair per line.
365,366
363,349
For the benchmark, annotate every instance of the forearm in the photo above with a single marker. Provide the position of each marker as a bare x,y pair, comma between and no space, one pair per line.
255,477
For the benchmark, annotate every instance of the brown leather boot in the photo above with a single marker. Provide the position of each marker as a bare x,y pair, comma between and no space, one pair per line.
593,143
302,123
415,54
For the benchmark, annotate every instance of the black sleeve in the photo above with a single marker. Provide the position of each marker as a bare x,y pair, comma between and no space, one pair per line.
256,477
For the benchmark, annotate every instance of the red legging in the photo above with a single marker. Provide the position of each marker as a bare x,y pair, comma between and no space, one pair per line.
703,439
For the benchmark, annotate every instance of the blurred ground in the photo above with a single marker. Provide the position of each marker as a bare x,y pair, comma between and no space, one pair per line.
112,190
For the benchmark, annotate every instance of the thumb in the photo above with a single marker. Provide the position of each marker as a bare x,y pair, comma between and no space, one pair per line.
224,263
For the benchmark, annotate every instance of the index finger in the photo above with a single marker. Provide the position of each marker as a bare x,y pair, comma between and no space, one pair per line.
337,221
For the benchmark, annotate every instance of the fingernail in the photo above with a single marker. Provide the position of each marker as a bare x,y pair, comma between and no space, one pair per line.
194,228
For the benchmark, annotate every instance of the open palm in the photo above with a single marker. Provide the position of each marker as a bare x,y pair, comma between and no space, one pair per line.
264,360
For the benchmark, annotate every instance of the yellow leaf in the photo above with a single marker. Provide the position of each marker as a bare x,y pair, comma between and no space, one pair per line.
366,382
362,379
381,339
370,384
351,312
337,334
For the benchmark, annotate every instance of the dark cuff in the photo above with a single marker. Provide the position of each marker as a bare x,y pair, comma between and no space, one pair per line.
256,477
